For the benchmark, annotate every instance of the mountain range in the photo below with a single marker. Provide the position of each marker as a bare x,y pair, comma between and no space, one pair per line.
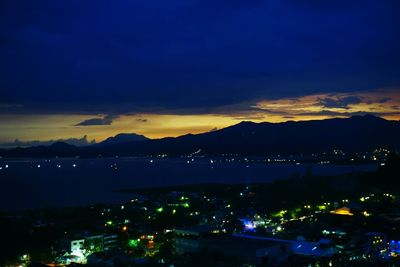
358,133
122,138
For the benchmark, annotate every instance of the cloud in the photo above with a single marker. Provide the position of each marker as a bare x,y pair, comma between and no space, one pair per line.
250,117
384,100
396,107
381,102
340,102
72,141
106,120
333,114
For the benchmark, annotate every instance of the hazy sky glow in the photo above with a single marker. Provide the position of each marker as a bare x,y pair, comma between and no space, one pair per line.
167,68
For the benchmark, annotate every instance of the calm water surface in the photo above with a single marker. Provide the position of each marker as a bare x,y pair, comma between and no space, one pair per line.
33,183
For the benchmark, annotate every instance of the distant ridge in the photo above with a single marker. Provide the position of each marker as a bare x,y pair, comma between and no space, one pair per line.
122,138
358,133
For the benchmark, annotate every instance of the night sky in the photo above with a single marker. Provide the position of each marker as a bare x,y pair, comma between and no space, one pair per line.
167,68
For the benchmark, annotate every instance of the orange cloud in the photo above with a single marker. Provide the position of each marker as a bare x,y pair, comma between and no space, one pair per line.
384,103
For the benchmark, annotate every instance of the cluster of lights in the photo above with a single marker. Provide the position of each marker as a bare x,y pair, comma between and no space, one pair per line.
74,165
5,166
324,162
337,232
114,166
365,198
377,240
389,195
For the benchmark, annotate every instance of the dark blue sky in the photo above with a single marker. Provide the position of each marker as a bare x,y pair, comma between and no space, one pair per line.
69,66
125,56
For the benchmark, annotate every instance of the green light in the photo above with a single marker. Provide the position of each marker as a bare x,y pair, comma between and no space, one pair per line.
109,222
279,213
173,211
161,209
186,205
133,243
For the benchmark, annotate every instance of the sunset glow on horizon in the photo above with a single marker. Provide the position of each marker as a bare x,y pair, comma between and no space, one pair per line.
44,127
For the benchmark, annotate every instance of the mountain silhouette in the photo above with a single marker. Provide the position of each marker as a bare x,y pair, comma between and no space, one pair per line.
122,138
358,133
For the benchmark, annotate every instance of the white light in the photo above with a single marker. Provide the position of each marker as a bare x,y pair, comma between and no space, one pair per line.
151,161
6,166
74,165
38,165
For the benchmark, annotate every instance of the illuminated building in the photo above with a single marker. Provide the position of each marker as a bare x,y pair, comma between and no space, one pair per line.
77,250
342,211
